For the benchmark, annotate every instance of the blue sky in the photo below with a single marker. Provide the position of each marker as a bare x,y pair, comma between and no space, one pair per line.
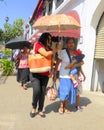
16,9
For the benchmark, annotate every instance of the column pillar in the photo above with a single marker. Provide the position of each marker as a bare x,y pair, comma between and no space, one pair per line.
47,7
54,6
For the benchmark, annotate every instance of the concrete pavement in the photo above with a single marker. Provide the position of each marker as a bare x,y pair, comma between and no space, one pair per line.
15,106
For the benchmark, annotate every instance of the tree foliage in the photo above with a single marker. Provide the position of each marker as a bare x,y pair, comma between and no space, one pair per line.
1,35
13,31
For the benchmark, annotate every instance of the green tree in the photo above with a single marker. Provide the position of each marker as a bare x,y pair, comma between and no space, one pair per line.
13,31
8,32
18,27
1,35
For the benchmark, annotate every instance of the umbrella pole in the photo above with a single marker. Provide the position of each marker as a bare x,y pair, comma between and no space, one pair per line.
60,43
59,38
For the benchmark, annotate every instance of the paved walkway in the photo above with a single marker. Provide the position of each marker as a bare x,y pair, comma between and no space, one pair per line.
15,106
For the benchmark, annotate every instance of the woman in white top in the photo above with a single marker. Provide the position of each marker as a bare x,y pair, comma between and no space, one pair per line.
66,89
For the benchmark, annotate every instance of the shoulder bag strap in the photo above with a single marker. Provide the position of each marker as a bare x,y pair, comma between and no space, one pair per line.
68,55
34,48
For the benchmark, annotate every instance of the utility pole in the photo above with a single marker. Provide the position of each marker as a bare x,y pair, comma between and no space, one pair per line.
6,21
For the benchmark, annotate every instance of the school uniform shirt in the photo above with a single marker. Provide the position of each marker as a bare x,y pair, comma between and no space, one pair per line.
63,56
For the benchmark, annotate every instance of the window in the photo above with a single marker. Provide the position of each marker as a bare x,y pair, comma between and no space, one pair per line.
59,2
31,28
50,7
44,11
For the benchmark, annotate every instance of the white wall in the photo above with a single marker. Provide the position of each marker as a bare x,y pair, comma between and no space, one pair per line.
90,15
89,12
92,12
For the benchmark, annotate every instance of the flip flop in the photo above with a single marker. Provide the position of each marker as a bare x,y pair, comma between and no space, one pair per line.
61,110
67,111
42,114
32,114
24,87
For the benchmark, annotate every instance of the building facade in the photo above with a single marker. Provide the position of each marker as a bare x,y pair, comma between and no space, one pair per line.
91,40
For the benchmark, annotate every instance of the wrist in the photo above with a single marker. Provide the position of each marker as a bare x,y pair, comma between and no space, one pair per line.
54,73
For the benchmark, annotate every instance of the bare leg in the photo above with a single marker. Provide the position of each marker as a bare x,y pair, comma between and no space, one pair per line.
65,109
61,109
24,86
73,80
77,100
72,77
77,103
33,110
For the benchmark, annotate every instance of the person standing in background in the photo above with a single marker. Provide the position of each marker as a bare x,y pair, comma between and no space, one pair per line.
23,68
26,31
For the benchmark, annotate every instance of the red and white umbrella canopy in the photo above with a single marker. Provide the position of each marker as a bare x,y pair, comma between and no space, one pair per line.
74,30
57,22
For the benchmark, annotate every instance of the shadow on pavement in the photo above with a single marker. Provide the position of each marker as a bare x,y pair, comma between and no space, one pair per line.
54,106
3,79
84,101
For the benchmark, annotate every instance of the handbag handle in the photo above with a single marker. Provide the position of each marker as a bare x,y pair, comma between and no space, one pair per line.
34,48
54,85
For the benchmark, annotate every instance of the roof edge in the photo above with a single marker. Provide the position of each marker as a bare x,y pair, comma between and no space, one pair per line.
35,11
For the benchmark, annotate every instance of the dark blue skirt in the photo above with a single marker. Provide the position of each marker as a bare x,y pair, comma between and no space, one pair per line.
23,75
